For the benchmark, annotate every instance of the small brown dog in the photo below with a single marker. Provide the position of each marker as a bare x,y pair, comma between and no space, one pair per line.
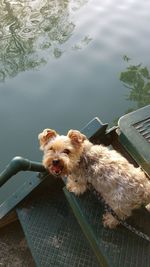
122,186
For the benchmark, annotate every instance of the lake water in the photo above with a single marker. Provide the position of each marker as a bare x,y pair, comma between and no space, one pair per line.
64,62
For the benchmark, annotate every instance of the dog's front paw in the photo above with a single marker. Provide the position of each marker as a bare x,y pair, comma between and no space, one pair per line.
109,221
148,207
75,188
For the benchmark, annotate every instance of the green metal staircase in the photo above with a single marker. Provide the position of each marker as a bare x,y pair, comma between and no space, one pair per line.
65,230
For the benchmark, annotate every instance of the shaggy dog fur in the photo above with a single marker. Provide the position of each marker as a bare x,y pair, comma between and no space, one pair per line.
122,186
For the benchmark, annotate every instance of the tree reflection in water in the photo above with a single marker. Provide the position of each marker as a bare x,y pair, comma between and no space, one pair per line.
137,79
28,28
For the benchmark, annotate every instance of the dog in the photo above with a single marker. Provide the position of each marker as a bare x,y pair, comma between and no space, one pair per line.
122,186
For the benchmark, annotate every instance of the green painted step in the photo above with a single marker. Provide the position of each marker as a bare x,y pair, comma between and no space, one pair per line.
53,234
113,248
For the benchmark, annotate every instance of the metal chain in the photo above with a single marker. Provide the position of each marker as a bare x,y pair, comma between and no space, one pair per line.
124,223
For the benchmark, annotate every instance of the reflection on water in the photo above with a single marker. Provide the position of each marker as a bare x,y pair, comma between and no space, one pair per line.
137,79
28,28
85,41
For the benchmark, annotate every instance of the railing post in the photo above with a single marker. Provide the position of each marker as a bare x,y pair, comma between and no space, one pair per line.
18,164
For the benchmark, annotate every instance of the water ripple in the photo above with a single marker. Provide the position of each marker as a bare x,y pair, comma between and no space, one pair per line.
30,28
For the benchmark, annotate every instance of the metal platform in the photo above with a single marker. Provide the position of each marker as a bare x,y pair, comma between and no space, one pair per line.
53,234
135,136
113,248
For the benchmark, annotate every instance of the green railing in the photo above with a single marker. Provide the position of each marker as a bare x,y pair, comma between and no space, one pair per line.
18,164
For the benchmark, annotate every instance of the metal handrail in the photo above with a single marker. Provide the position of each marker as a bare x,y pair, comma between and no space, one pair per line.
18,164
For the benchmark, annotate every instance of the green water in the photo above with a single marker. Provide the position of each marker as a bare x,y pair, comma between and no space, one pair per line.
64,62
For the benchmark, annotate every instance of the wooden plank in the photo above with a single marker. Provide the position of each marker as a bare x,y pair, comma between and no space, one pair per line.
11,217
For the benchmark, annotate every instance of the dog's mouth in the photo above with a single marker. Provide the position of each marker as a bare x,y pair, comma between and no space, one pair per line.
56,170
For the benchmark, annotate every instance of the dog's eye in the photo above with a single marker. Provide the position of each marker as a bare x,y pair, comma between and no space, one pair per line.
66,151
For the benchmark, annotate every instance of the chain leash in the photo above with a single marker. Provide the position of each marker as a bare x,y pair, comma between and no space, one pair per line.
122,222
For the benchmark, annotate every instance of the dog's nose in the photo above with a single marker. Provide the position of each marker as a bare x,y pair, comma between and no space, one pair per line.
56,162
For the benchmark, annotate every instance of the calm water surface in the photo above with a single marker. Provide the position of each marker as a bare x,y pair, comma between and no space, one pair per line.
64,62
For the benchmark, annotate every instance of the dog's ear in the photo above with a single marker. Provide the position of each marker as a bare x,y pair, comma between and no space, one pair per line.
76,137
45,137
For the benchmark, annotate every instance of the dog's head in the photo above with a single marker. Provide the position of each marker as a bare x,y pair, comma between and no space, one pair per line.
61,153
